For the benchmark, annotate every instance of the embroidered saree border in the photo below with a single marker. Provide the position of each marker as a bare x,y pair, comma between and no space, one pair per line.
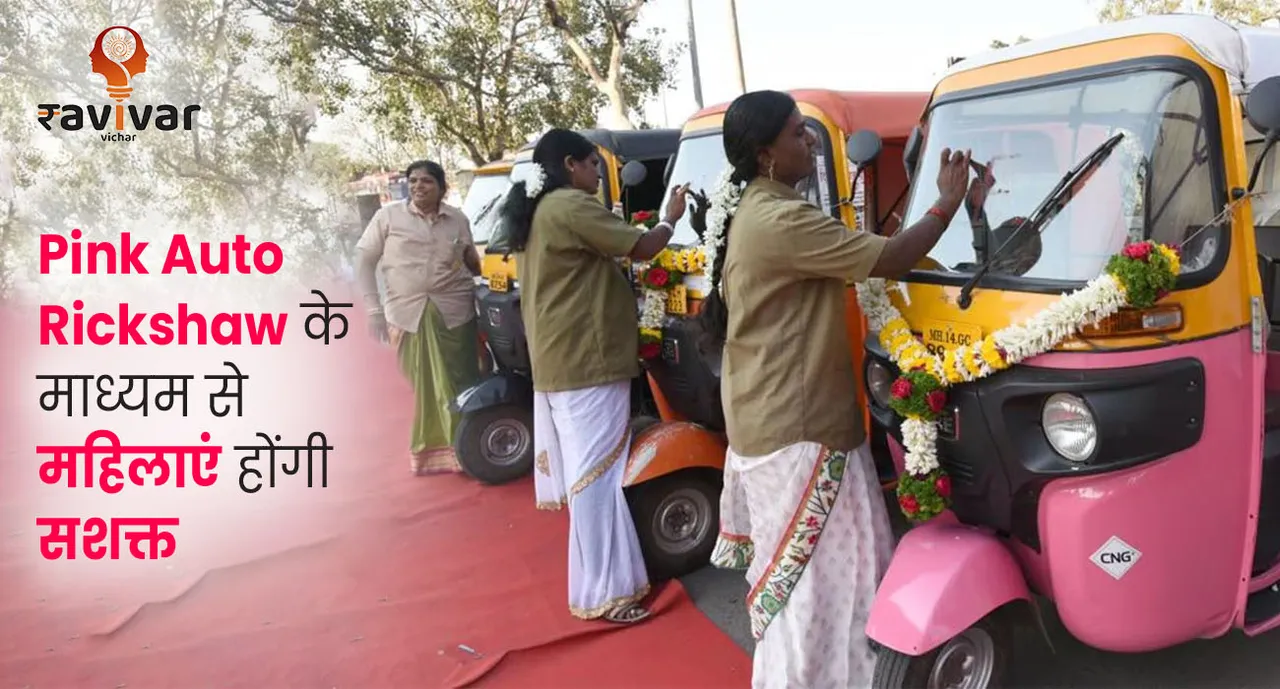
796,547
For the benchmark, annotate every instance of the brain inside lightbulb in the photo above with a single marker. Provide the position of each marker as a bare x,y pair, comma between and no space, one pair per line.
119,46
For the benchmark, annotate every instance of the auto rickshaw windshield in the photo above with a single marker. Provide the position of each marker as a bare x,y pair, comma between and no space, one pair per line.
482,203
700,162
1159,183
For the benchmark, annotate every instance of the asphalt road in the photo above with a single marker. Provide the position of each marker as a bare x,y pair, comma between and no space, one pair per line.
1234,661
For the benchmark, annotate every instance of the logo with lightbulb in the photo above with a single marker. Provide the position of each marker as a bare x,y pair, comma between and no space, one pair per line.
118,56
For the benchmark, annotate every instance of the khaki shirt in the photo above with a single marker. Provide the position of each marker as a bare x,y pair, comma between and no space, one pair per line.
788,370
422,260
579,309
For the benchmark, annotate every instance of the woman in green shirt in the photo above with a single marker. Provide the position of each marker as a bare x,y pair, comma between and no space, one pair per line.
580,319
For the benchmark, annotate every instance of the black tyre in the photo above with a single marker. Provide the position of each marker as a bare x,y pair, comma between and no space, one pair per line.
495,445
975,659
677,518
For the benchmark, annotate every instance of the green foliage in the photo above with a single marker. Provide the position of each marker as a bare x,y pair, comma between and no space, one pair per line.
1251,12
1147,275
919,497
998,44
247,165
484,75
918,387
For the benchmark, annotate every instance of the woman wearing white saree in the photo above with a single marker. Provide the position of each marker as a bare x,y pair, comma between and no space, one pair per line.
580,319
801,510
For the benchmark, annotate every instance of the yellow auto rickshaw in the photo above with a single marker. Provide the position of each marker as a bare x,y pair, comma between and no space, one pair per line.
489,185
494,441
673,475
1084,359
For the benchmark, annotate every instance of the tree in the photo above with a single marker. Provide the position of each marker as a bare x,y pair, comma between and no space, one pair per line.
623,67
246,166
1252,12
998,44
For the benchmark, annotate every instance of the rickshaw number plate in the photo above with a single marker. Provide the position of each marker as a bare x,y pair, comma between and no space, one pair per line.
943,336
1116,557
498,283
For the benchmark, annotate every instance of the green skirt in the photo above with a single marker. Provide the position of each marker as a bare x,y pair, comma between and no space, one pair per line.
440,363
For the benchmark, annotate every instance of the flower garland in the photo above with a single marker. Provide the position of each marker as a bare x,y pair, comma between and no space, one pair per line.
644,219
723,203
536,180
663,274
1139,276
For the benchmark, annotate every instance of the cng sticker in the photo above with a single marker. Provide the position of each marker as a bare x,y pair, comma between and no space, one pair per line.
1116,557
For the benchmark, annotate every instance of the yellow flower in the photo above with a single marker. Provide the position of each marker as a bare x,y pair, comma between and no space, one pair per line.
651,333
949,368
1175,263
991,354
972,363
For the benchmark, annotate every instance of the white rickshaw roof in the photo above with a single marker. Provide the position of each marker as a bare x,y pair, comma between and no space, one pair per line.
1247,54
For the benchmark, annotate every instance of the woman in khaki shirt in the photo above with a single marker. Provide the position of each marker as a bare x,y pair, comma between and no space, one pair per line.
580,319
800,486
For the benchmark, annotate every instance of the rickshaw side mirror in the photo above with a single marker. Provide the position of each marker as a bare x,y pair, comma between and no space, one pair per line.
1262,109
633,173
911,152
863,147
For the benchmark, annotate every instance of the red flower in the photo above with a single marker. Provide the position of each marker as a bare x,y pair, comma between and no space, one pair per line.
641,216
1162,294
943,486
1139,252
937,400
811,522
650,350
901,389
656,277
909,504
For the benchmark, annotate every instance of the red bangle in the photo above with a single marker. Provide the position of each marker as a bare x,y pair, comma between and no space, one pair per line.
939,214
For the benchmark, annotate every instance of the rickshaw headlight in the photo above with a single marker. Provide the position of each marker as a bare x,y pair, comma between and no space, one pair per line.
1069,426
879,380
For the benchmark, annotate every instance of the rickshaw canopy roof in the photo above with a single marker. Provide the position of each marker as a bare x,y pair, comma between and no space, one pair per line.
891,115
637,144
1247,54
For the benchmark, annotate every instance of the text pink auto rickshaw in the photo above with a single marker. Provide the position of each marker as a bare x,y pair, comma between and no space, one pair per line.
1128,470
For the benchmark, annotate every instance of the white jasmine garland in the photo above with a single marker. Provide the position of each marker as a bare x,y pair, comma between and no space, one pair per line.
654,309
1101,297
723,204
536,180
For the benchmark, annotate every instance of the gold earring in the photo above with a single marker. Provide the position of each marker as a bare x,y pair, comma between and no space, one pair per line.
770,169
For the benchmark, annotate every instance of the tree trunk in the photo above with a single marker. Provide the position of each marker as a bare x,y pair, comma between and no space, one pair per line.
615,114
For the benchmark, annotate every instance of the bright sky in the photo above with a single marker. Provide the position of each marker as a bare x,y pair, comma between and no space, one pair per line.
839,44
845,44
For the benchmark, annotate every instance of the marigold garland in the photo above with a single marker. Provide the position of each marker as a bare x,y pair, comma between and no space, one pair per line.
1137,277
656,279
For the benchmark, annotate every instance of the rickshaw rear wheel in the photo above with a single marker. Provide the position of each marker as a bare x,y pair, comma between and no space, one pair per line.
495,445
976,658
677,519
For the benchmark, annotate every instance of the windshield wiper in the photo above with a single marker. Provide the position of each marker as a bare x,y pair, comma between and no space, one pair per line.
1053,203
484,210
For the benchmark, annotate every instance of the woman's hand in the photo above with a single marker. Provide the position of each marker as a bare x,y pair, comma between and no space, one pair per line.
953,180
676,204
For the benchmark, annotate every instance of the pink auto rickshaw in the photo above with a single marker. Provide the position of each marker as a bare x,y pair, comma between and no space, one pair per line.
1127,469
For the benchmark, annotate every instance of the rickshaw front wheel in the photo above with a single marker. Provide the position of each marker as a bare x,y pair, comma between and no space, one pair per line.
495,445
974,659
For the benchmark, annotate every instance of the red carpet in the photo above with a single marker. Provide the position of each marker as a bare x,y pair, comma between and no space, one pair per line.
392,591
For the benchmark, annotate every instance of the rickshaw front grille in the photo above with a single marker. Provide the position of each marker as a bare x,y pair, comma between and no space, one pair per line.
959,471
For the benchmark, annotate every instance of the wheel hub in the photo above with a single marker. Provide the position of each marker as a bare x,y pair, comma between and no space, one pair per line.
965,662
504,442
681,521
